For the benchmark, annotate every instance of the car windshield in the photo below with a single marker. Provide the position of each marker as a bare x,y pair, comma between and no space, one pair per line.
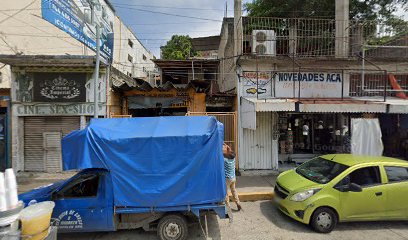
320,170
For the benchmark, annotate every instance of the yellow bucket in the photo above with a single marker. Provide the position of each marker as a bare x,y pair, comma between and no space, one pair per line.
35,220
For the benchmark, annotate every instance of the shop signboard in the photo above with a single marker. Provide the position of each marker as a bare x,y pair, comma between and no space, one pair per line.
287,84
57,109
75,18
257,86
59,87
311,84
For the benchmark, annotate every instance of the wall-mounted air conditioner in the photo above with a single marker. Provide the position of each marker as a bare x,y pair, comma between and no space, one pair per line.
264,42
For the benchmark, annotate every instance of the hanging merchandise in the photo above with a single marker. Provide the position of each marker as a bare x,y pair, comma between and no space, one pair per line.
320,125
290,141
344,130
297,122
305,130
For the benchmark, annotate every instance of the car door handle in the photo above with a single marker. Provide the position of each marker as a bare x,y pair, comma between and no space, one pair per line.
378,194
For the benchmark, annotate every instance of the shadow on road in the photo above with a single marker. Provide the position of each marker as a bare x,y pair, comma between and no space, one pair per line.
282,221
399,225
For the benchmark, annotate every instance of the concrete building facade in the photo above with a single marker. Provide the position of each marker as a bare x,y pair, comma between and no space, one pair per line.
37,56
301,83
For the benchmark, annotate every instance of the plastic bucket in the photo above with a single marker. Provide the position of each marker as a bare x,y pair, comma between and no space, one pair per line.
35,220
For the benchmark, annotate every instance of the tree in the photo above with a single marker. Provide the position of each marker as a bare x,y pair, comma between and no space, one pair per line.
179,47
383,10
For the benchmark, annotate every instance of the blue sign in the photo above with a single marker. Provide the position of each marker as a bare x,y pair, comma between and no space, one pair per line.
78,19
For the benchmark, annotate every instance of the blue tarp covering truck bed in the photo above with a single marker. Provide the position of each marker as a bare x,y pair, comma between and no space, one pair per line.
154,162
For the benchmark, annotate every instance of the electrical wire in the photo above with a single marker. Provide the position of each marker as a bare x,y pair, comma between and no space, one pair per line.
167,7
171,14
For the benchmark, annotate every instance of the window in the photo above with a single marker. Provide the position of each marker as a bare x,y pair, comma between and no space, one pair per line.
144,69
320,170
144,57
397,174
130,58
130,43
364,177
83,187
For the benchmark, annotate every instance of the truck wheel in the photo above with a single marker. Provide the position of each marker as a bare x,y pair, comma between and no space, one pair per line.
172,227
323,220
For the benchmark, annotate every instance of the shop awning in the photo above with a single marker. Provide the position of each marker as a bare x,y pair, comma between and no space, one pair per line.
142,102
250,106
342,106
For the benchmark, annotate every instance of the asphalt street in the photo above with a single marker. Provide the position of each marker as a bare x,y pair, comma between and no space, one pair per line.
262,221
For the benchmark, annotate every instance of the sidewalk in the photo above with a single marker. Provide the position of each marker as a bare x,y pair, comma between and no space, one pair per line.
250,188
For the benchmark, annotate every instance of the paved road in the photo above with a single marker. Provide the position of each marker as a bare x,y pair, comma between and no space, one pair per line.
261,221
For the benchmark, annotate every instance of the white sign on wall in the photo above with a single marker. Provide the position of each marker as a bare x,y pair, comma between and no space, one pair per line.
257,86
287,84
312,85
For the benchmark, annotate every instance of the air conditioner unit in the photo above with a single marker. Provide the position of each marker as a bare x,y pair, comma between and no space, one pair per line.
264,42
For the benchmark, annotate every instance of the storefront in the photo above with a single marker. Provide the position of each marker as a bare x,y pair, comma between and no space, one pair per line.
322,133
51,97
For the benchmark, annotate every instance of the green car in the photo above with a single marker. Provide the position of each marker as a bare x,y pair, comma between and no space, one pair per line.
344,188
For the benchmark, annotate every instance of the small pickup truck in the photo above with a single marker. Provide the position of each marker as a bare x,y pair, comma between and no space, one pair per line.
125,183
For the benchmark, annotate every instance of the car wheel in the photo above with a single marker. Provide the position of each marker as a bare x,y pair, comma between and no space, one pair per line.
323,220
172,227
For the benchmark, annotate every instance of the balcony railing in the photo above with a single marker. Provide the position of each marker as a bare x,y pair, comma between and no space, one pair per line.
302,37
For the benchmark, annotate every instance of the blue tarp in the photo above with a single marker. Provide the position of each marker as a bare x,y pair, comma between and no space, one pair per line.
154,162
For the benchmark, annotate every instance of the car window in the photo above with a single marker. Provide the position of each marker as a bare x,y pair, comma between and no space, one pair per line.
397,174
367,176
84,187
320,170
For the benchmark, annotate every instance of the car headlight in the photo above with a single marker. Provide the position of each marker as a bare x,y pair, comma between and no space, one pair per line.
302,196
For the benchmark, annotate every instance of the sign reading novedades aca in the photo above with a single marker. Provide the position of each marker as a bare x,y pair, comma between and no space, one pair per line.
291,84
75,18
309,77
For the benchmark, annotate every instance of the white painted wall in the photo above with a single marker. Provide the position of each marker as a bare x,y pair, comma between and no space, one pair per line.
139,67
23,31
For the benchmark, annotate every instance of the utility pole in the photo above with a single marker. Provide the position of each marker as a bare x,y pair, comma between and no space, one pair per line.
94,4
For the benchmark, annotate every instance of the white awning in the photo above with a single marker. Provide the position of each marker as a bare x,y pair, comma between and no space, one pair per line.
272,105
343,108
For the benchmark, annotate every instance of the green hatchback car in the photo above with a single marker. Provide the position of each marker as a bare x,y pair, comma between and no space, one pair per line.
344,188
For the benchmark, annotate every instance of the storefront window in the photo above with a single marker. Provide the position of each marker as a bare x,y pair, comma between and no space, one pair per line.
314,133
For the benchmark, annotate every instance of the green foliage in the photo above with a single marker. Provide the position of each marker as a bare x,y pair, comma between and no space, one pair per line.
359,9
179,47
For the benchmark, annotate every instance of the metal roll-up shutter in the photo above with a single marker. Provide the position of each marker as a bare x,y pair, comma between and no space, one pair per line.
42,137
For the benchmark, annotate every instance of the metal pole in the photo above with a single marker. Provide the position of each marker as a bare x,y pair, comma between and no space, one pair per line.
192,68
96,80
363,71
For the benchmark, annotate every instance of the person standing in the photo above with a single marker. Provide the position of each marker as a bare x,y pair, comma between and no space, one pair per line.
230,178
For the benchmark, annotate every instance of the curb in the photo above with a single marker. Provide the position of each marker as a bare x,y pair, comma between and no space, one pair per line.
253,196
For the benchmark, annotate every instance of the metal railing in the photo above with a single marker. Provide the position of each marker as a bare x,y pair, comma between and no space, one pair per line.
303,37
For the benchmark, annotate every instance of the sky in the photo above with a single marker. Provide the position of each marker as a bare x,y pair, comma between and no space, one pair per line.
152,25
155,21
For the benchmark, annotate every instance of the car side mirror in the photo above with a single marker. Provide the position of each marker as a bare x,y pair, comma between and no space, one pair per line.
353,187
55,196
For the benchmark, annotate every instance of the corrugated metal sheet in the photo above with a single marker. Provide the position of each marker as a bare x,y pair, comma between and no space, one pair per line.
34,147
343,108
273,105
248,114
257,146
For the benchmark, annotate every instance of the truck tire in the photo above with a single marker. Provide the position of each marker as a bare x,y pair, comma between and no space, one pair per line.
172,227
323,220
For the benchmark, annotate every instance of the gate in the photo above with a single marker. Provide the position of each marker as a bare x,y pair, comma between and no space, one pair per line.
229,119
